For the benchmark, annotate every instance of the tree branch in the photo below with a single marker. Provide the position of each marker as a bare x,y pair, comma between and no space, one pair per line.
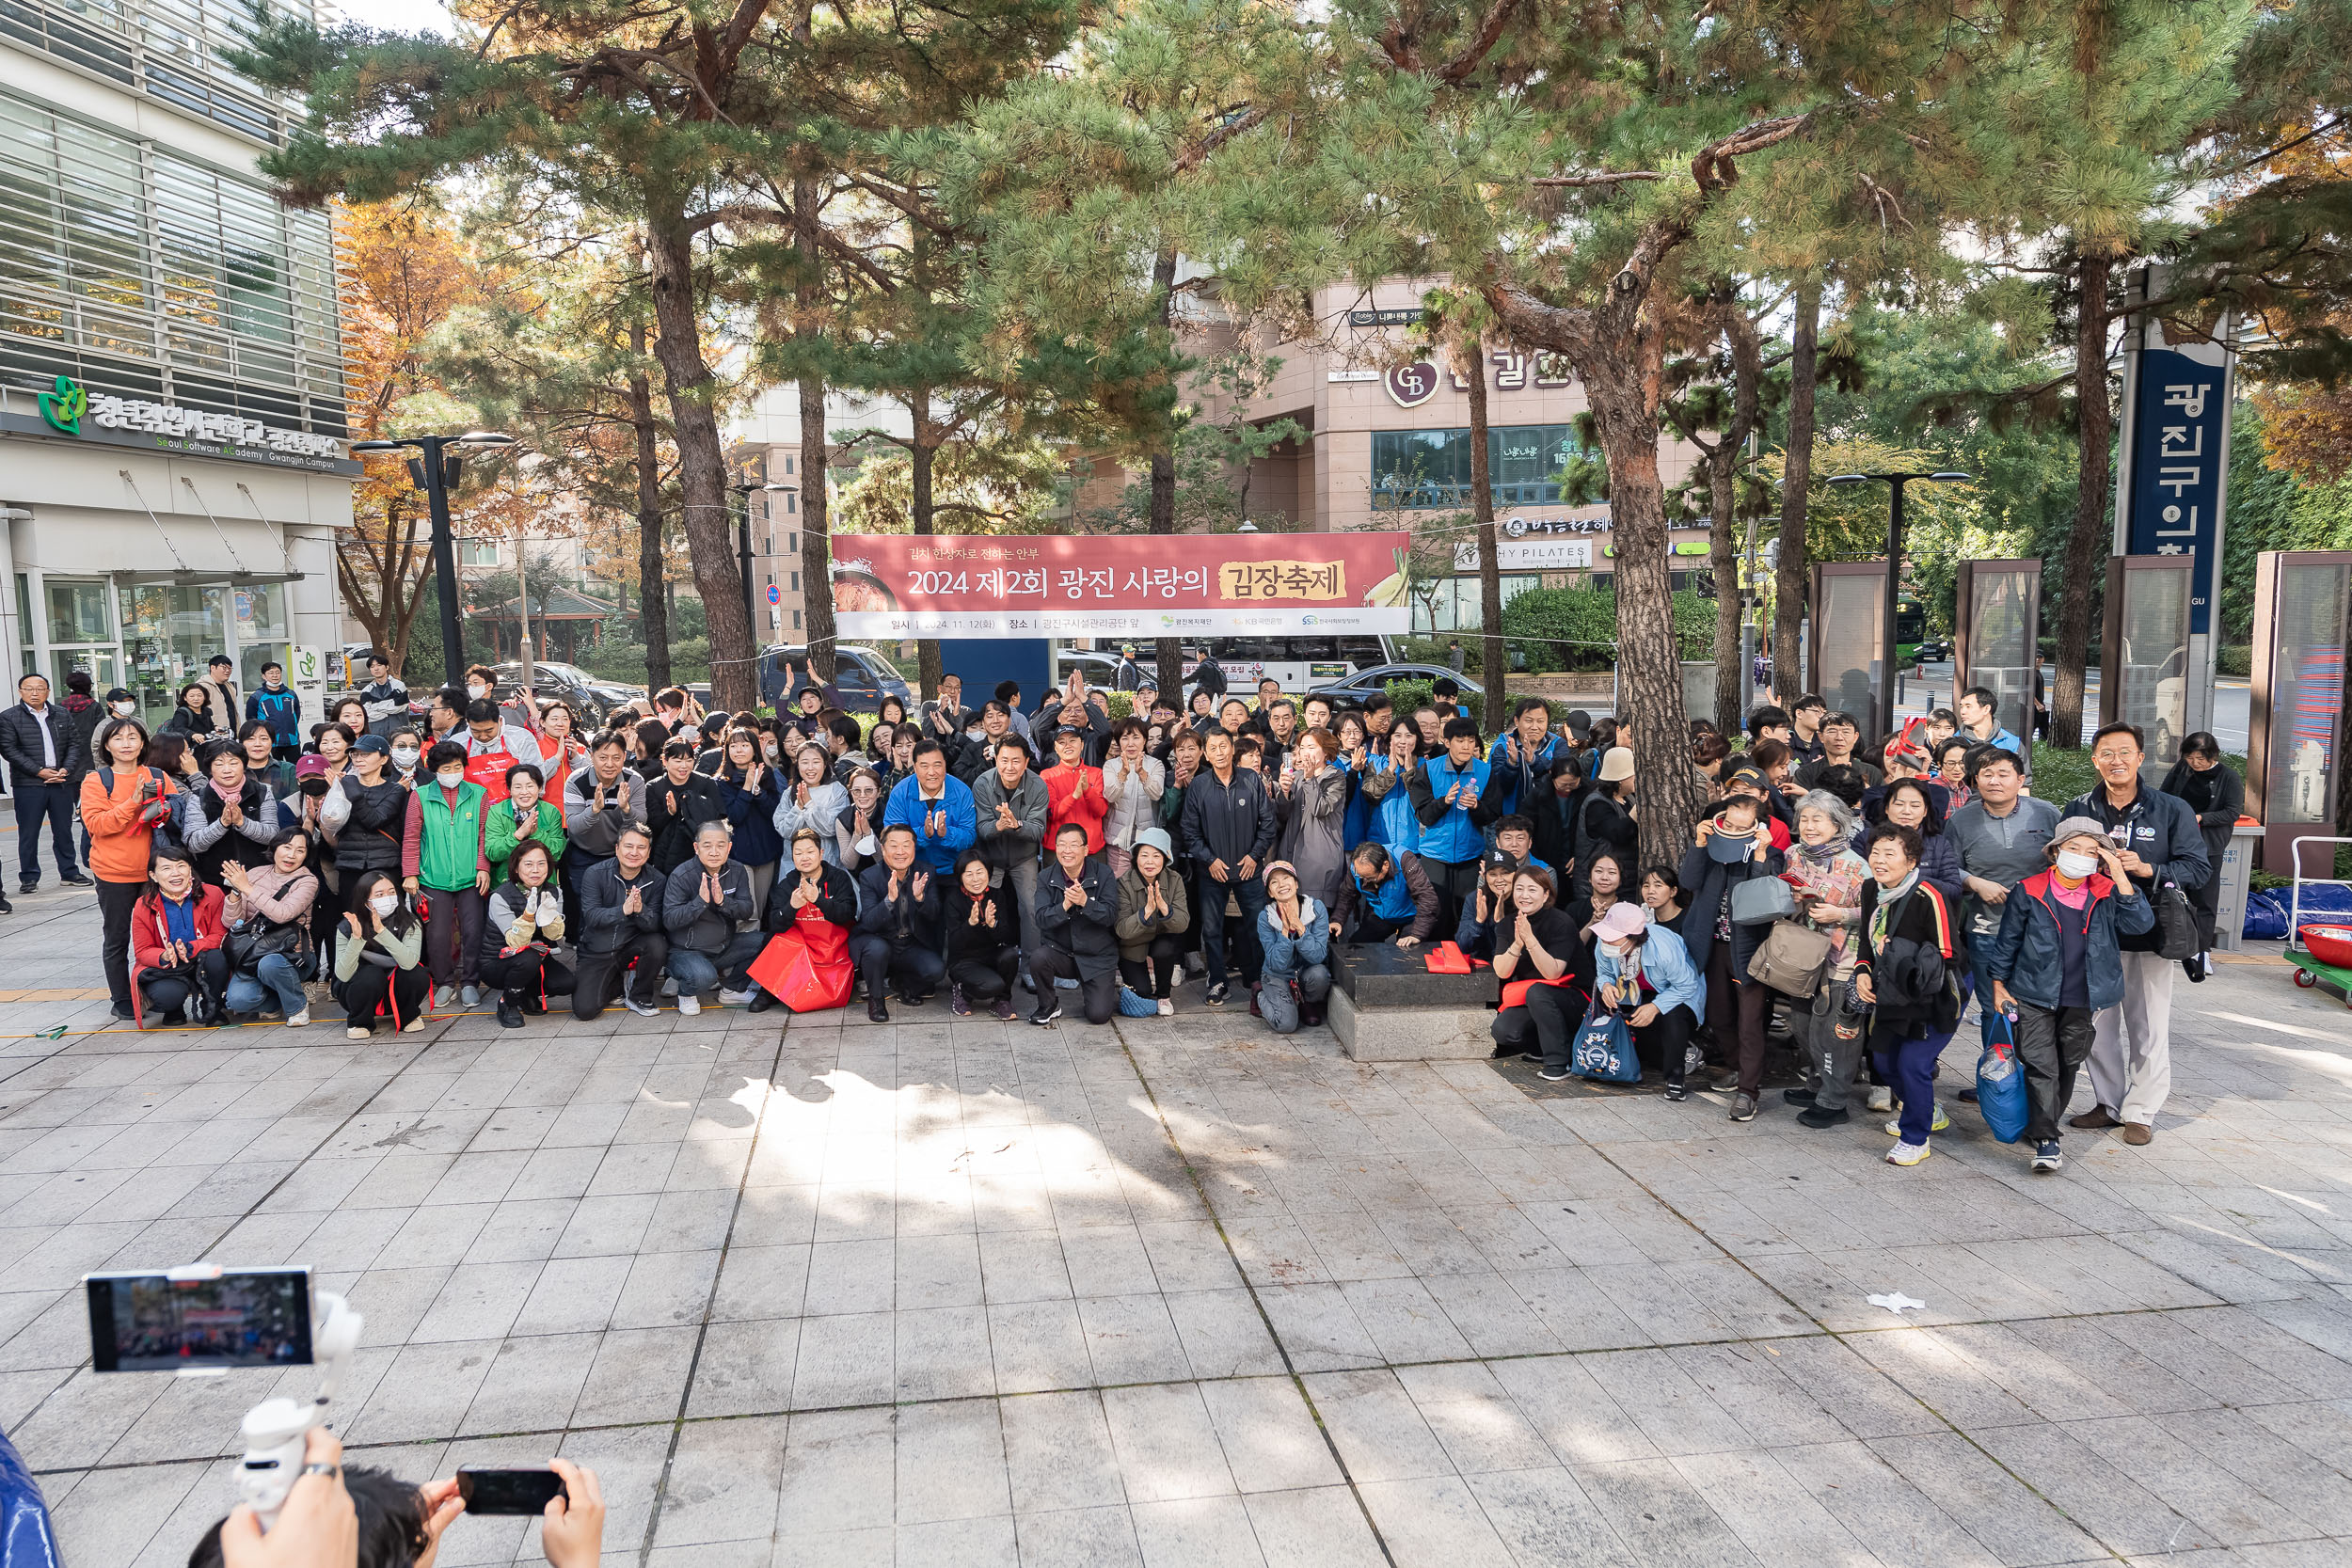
1474,52
1578,181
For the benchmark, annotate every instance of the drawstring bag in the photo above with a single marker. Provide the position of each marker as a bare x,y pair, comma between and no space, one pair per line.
1604,1050
2001,1082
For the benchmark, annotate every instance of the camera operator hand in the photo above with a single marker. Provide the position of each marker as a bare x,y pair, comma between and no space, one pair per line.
572,1530
442,1505
318,1528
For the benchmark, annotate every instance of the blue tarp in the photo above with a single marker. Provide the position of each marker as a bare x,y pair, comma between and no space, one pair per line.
25,1539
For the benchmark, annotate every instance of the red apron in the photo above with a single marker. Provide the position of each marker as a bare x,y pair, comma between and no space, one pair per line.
807,968
490,768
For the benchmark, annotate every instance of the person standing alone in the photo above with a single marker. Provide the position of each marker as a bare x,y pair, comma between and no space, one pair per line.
44,751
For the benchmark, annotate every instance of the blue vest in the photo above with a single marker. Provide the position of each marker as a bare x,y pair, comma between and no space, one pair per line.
1392,901
1454,840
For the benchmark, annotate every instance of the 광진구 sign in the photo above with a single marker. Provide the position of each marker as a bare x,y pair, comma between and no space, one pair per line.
1058,585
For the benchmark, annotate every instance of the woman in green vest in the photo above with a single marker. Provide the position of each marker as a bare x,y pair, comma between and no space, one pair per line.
526,815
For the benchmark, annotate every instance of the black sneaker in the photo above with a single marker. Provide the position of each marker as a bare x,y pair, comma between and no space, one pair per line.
1554,1075
956,1004
1048,1010
2047,1156
915,1001
876,1012
74,879
510,1012
120,1009
1677,1092
1216,995
1002,1007
30,884
761,1000
1817,1119
1796,1097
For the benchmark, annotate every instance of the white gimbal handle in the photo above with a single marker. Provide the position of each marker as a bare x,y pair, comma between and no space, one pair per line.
274,1429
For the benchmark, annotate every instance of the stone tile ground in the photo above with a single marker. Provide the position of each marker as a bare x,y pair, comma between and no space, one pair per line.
1183,1293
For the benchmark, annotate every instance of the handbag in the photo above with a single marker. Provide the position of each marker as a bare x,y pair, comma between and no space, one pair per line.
1792,959
249,945
2177,937
2001,1081
1762,898
1604,1052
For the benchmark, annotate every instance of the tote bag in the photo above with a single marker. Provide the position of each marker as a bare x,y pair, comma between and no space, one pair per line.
2001,1082
1604,1050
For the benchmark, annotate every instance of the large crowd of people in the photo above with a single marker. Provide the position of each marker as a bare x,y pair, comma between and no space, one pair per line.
1858,894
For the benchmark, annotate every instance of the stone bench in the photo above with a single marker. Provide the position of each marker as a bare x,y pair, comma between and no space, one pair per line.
1386,1007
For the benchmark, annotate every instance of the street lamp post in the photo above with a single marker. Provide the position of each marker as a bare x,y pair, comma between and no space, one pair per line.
743,554
1885,715
435,471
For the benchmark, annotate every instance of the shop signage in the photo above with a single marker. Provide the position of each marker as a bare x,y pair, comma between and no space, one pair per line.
1410,386
1528,555
1515,528
1384,318
2178,444
1059,585
70,409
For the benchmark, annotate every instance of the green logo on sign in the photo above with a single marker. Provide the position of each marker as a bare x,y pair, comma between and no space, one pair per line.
64,407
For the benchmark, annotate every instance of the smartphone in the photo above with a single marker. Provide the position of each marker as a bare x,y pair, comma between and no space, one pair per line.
198,1319
488,1490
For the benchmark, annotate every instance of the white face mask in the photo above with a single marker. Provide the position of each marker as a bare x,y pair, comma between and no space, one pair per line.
2076,865
126,709
406,756
451,777
384,903
477,690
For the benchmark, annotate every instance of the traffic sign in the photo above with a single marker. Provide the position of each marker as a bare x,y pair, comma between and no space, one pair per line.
775,594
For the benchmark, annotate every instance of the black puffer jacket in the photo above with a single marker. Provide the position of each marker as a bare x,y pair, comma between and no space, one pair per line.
21,745
371,840
1707,885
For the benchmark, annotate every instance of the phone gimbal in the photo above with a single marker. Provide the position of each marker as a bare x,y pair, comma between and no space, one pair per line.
275,1429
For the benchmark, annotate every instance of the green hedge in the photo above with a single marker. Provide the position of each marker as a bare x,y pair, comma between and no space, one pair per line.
2235,659
1575,629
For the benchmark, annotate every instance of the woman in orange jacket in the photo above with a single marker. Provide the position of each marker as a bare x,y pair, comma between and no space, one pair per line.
122,802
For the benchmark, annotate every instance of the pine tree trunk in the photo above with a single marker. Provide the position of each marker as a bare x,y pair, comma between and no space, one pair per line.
816,538
921,457
1494,660
1649,660
1796,481
2094,533
1722,558
653,618
1168,652
690,389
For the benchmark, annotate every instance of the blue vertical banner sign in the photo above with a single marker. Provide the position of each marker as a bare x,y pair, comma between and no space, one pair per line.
2177,463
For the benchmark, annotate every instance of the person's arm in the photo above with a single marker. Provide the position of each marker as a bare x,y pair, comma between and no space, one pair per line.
1313,945
375,810
836,897
899,809
1153,779
874,913
1468,931
1424,897
2229,803
290,902
551,832
2134,915
195,832
11,751
499,832
407,950
1131,926
1261,841
347,951
1429,807
212,932
1378,780
736,904
1102,906
600,909
962,822
2189,867
412,833
1188,822
2000,954
506,920
1053,916
105,814
682,897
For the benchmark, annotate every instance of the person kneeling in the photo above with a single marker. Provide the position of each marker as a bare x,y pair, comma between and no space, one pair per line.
177,953
1077,915
1153,917
1386,895
524,923
897,926
704,907
621,945
983,941
1295,933
812,906
379,960
1646,970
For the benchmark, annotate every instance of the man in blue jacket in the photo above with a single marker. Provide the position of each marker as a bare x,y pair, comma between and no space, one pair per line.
1445,794
937,807
2157,841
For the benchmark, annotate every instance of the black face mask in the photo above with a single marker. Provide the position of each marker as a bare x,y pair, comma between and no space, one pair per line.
314,787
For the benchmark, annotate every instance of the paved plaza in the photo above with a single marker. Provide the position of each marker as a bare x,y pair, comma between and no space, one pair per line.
1183,1293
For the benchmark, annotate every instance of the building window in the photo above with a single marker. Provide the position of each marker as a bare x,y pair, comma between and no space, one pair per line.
170,49
787,463
792,503
796,619
477,552
792,543
1426,469
796,582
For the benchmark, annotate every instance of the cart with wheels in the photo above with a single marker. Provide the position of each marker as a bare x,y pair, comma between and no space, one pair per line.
2320,947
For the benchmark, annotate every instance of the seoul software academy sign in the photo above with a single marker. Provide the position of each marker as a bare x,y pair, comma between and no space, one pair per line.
68,410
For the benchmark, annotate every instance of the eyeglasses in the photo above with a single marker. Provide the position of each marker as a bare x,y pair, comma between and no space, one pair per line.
2113,755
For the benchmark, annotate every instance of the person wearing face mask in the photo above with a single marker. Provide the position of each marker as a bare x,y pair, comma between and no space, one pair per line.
177,938
622,943
1907,973
379,961
2057,961
444,866
407,755
375,817
1642,970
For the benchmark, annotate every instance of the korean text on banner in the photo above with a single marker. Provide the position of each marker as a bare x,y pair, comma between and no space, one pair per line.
1055,585
2179,458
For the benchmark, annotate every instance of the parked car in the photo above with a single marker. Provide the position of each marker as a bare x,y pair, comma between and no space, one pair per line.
551,679
1363,683
1101,669
863,676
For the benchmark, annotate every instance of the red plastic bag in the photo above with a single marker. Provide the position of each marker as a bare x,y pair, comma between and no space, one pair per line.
807,968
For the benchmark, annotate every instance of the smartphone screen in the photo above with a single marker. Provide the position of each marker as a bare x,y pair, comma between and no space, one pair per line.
493,1491
151,1323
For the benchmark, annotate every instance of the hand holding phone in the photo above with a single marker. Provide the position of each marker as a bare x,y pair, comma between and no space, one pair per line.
491,1491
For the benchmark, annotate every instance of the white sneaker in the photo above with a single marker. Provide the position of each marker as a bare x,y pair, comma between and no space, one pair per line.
412,1026
1940,1121
738,998
689,1004
298,1021
1881,1098
1906,1154
643,1010
1167,1009
669,987
356,1033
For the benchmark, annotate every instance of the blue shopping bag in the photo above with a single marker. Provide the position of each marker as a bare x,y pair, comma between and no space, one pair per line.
1604,1050
2001,1081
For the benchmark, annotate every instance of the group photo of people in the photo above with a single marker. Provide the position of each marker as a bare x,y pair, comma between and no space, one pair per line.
1855,899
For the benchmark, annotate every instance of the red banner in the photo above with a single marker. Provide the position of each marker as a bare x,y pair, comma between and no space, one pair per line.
1120,585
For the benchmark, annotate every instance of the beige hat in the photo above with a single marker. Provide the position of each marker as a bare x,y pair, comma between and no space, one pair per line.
1616,765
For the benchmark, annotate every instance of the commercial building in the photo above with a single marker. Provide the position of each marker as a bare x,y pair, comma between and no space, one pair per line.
764,444
1390,446
172,459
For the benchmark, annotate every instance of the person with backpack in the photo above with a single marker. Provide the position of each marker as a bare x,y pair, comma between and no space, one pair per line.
280,707
1907,973
124,803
